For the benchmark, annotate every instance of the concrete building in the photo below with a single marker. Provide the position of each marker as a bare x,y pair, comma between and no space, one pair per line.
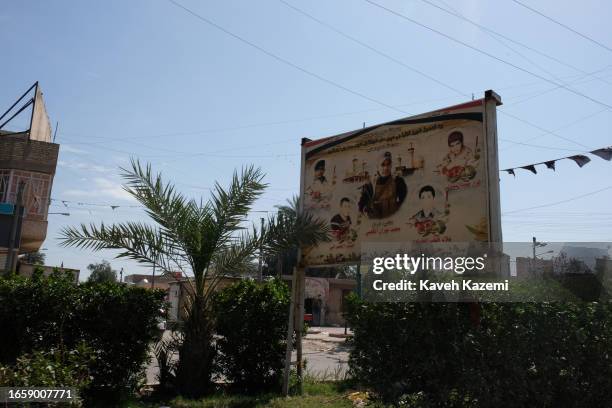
28,161
324,298
149,281
528,268
27,270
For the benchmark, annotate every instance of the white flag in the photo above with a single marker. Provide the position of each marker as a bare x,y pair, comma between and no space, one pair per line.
41,127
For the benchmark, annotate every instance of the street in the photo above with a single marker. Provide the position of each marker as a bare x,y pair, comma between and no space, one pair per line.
326,355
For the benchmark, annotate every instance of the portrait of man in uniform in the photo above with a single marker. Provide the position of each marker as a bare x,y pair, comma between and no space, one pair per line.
385,195
319,191
340,224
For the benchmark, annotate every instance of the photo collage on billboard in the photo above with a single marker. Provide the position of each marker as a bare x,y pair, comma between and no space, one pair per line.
418,179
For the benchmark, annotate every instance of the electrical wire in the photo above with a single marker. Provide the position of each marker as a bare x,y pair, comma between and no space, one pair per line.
510,64
558,202
505,37
283,60
586,37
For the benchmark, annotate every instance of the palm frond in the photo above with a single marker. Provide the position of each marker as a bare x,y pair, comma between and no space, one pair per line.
230,206
292,228
167,207
140,242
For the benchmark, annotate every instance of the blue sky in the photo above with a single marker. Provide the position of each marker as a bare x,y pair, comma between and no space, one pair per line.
149,80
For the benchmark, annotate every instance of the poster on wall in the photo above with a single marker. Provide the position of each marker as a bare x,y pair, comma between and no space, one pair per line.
426,178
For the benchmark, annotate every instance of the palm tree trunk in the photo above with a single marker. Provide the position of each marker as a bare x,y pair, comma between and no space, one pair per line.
196,353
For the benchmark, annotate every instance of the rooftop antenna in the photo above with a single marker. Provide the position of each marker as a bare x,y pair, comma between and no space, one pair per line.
55,133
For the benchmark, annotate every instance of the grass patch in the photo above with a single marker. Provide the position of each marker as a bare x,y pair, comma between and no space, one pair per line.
316,394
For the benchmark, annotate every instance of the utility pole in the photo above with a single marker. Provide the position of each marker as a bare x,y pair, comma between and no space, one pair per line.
260,271
11,259
121,276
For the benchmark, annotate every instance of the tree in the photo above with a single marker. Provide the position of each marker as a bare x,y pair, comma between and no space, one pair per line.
34,258
283,261
101,272
209,240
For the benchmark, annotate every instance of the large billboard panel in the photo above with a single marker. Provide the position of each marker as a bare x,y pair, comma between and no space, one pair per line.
426,178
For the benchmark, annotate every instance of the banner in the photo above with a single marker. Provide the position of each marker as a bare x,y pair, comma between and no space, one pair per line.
419,179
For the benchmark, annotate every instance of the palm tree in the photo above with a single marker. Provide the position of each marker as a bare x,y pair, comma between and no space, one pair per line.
209,241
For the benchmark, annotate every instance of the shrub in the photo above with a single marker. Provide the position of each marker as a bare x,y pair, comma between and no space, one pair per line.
119,322
115,321
251,319
507,354
53,368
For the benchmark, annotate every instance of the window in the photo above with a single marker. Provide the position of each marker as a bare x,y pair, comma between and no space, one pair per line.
5,177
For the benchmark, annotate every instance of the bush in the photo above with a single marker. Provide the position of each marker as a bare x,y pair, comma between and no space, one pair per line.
119,322
115,321
53,368
251,319
506,354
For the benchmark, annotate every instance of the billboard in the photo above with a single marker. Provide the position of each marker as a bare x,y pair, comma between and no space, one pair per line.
426,178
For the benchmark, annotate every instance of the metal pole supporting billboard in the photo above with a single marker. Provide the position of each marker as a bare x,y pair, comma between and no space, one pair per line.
260,269
492,100
296,314
289,348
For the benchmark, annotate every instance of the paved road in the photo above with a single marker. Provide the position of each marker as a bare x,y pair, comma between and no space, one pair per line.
326,356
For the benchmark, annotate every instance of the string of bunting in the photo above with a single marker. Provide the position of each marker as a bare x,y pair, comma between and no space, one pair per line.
580,159
80,203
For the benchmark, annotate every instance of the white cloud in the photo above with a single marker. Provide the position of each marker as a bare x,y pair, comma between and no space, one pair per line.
66,148
75,165
103,189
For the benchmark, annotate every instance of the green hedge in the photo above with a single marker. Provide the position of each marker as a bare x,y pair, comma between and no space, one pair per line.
251,320
116,322
487,355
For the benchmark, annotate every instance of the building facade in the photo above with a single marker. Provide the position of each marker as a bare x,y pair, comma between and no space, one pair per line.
27,168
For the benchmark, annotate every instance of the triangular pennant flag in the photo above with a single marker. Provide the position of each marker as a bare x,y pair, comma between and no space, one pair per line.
510,171
531,168
605,153
580,159
550,164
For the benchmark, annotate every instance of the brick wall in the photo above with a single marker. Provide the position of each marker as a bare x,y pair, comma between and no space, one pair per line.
17,152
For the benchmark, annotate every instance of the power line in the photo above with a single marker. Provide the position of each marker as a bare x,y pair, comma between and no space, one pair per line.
487,54
528,47
395,60
579,78
563,25
559,202
363,44
546,132
281,59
